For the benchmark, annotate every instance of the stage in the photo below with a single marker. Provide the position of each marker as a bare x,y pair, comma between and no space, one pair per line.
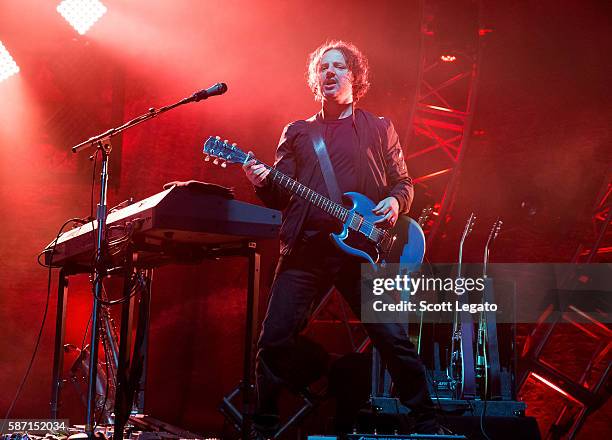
495,139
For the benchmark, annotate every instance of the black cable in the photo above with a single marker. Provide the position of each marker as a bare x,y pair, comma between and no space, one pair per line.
482,416
99,256
42,326
133,292
38,259
80,221
86,331
133,279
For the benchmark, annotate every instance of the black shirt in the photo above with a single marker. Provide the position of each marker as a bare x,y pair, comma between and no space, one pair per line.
342,146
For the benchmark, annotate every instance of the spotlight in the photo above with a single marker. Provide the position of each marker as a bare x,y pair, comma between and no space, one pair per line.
8,66
448,58
81,14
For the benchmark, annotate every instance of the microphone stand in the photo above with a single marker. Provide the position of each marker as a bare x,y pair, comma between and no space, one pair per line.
102,143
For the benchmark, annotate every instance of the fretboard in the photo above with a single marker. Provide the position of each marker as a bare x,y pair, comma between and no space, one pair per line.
294,187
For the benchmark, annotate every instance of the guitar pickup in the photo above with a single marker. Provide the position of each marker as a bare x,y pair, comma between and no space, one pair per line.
356,221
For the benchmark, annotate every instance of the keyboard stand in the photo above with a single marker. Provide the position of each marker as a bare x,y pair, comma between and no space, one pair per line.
125,393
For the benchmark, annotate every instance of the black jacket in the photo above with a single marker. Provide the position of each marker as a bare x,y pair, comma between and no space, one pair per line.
381,169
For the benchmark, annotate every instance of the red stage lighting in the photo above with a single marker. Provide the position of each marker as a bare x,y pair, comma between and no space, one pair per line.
8,66
448,58
554,387
81,14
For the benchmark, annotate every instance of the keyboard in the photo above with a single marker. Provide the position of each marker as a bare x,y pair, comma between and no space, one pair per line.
177,224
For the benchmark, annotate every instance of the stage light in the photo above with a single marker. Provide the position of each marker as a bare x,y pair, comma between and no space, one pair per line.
8,66
81,14
442,109
554,387
448,58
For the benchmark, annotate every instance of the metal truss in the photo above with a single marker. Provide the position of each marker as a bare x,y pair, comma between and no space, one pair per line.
582,396
444,105
588,393
599,247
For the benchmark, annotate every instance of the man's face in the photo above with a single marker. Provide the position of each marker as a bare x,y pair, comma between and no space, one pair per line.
335,80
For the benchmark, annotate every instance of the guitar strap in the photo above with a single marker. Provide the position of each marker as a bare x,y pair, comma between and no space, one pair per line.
318,144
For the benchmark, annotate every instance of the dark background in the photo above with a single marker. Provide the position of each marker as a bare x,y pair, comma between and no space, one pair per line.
543,110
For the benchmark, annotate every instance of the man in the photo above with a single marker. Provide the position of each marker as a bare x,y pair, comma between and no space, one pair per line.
366,157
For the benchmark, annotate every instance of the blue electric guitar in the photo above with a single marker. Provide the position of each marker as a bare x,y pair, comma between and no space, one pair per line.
359,236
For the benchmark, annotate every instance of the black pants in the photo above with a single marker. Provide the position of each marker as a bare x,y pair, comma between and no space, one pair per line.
301,281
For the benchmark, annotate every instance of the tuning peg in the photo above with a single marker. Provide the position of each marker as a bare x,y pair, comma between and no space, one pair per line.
218,138
225,141
223,164
207,158
216,161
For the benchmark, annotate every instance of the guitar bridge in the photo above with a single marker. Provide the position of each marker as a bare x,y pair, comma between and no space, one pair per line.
387,242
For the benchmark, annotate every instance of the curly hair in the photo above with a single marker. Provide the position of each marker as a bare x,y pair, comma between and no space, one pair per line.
356,62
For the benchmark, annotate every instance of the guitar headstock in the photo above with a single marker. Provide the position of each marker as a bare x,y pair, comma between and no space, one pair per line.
425,213
469,226
223,152
494,232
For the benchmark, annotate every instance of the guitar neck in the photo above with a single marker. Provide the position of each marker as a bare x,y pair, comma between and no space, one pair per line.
466,231
460,260
490,240
485,261
294,187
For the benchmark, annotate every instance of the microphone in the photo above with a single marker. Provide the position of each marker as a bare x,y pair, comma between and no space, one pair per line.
217,89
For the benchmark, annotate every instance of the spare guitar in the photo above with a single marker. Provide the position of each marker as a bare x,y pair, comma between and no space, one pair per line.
424,217
482,364
461,366
359,236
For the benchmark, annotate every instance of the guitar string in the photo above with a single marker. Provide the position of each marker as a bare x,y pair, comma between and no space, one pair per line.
375,233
